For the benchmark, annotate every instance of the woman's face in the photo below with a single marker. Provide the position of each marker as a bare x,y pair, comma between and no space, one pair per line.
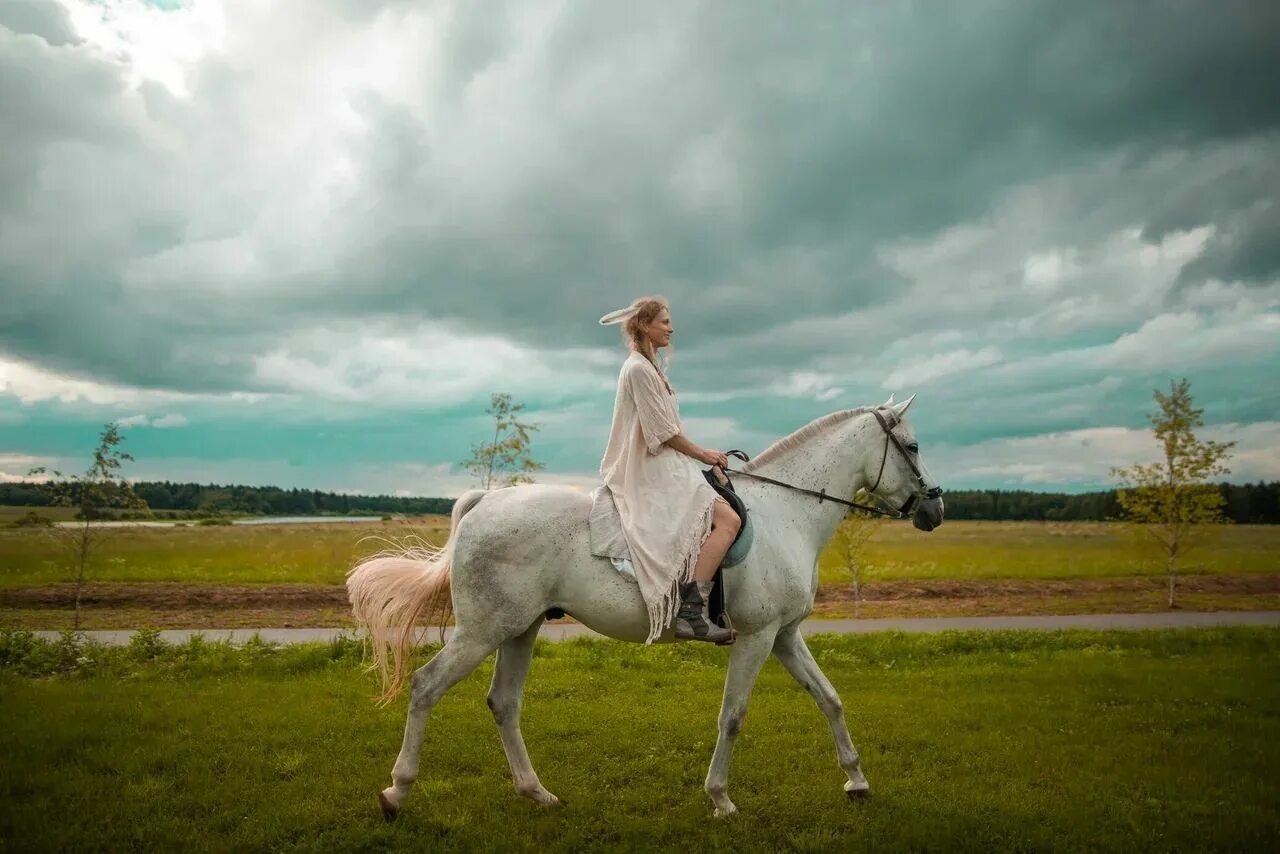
660,329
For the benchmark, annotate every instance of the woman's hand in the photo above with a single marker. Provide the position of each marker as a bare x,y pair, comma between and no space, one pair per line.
714,458
691,449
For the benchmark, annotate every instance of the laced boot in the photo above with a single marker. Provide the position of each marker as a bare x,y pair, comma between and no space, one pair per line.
692,621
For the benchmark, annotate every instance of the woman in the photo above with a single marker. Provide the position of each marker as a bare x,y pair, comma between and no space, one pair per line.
677,527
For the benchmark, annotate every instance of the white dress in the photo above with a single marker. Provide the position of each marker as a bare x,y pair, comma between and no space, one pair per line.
654,508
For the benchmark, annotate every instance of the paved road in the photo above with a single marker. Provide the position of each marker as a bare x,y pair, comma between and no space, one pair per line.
558,631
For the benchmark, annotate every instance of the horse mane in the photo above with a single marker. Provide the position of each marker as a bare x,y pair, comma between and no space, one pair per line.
799,437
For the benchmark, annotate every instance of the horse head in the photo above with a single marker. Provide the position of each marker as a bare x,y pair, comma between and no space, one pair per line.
900,477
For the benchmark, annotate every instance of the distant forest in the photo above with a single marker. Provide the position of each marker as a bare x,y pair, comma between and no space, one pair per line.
211,500
1246,503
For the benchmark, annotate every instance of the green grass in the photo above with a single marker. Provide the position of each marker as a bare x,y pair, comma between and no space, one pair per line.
9,513
308,553
322,553
1067,740
1048,550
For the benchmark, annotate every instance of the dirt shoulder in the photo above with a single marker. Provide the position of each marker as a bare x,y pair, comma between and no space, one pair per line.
208,606
1025,598
177,606
165,596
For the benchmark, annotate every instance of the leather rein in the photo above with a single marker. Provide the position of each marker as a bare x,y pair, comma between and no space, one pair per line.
903,512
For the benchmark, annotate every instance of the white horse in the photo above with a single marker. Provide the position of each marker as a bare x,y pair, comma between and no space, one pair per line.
515,553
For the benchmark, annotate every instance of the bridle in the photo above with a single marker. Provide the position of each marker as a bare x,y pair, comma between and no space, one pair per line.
923,493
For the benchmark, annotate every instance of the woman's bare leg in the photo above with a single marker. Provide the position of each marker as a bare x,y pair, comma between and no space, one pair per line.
692,621
724,528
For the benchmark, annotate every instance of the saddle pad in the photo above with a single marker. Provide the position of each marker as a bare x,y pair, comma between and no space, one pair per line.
742,542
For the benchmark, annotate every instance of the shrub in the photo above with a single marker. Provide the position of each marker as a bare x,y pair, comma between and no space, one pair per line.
146,644
16,648
69,651
32,519
25,653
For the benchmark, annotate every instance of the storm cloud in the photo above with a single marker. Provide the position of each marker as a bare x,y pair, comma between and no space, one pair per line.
1032,213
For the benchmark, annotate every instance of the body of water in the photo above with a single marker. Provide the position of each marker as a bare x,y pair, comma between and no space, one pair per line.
303,520
263,520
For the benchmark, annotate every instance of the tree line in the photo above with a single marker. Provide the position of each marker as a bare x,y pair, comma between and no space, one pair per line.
1245,503
1248,503
213,499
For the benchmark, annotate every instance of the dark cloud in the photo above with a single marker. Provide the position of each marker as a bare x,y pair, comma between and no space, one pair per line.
39,18
535,167
843,129
1249,247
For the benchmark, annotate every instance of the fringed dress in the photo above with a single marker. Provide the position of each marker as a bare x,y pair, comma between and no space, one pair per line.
664,504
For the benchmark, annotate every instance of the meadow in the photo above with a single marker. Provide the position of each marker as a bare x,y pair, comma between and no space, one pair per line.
266,554
971,741
9,513
322,553
1046,550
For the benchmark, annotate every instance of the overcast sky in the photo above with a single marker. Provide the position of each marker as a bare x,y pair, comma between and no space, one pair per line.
301,242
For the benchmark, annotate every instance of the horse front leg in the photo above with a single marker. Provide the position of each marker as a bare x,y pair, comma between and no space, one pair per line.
747,657
505,698
795,656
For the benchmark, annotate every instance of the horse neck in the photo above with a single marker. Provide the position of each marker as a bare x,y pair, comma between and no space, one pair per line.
835,461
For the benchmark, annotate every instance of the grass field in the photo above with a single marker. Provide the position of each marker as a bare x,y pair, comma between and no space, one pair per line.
1112,741
310,553
1047,550
322,553
8,513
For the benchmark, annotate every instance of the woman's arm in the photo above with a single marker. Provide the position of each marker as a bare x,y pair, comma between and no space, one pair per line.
658,422
684,445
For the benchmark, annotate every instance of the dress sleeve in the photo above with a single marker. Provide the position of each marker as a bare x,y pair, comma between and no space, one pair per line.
657,421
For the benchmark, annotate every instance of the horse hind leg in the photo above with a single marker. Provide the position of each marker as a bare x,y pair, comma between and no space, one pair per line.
461,655
505,698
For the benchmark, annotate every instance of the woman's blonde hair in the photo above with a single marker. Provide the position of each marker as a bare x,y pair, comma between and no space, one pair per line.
647,311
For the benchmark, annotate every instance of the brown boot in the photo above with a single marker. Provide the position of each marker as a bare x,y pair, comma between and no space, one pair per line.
692,621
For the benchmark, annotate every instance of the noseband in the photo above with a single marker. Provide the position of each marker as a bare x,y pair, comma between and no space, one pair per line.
904,512
924,492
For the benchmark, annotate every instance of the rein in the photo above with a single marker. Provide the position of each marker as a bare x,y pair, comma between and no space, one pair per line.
821,495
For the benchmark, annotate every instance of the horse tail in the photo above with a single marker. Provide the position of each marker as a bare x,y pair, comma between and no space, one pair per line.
393,590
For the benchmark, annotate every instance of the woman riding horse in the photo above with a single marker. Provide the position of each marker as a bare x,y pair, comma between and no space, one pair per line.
676,526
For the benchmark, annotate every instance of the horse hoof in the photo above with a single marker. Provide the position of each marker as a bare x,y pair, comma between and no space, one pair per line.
857,792
389,810
726,811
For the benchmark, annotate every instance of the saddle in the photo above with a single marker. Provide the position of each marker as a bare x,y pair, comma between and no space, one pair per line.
737,550
741,543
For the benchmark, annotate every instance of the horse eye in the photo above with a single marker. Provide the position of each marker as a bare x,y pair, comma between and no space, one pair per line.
913,448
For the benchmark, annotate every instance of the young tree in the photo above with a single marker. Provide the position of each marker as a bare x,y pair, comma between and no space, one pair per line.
1171,499
506,459
99,489
855,529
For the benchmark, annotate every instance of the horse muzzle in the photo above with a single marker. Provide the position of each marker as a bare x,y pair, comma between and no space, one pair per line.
928,514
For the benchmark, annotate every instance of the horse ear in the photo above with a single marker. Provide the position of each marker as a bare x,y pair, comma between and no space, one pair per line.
888,402
901,408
